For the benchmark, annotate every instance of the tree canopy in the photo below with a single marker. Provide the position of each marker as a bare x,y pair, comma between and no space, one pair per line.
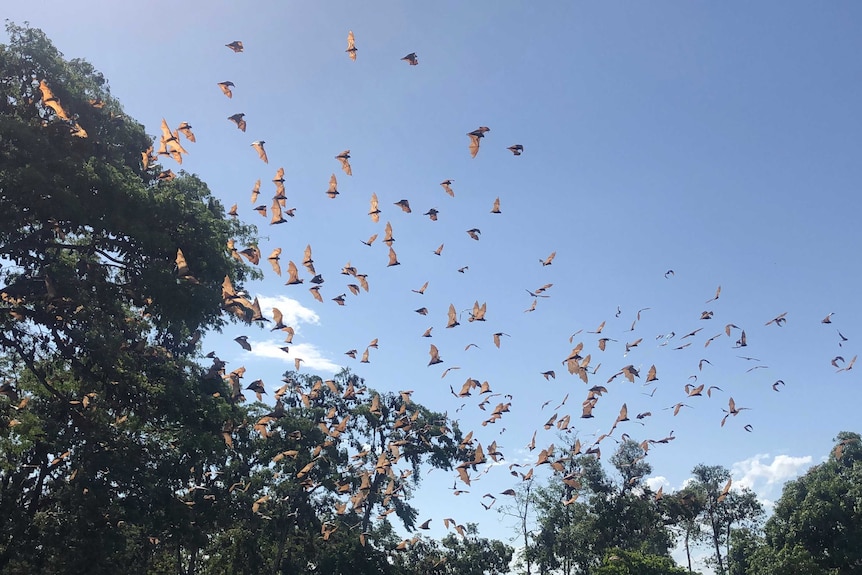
817,522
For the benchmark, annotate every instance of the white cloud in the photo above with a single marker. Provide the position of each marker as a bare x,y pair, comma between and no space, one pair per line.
658,481
755,471
294,312
768,505
312,358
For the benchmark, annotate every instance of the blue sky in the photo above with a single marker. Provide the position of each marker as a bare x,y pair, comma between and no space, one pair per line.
717,140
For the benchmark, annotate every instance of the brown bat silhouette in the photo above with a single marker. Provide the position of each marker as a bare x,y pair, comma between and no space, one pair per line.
478,313
725,491
293,274
475,136
258,146
453,316
435,355
404,205
315,292
226,88
778,320
375,210
333,187
497,338
51,101
717,293
370,240
274,258
351,46
343,157
411,59
236,46
447,187
238,120
255,191
547,261
393,258
186,130
243,342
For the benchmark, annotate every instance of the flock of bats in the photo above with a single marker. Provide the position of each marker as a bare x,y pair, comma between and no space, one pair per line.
376,471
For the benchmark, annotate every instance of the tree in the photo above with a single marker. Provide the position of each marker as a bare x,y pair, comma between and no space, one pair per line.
583,512
683,510
621,562
744,547
107,409
817,523
563,542
312,484
521,509
474,555
462,554
720,509
627,516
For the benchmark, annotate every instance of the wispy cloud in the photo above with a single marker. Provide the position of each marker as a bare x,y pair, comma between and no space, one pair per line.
294,312
658,481
757,471
312,357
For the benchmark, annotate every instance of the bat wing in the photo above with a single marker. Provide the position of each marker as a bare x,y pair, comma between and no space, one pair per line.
474,145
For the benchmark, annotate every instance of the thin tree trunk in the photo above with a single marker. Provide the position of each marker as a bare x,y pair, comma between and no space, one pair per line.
193,561
525,530
276,564
687,551
715,532
727,549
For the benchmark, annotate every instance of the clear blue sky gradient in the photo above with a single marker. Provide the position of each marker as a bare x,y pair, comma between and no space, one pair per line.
720,140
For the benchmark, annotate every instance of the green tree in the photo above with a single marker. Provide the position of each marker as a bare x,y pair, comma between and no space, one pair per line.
682,511
625,517
621,562
563,542
745,544
584,511
720,510
817,523
463,554
474,555
312,484
521,509
107,409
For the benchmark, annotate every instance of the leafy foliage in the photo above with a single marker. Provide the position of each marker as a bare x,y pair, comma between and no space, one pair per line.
584,512
621,562
111,412
817,523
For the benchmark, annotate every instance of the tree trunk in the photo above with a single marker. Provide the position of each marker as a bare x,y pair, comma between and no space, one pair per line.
687,551
727,548
193,561
276,563
524,529
716,529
